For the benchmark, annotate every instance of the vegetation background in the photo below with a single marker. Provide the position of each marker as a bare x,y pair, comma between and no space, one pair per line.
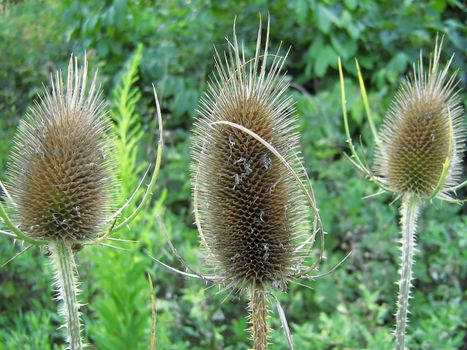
170,43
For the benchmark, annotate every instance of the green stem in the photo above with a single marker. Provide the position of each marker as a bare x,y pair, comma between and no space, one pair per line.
66,279
409,213
258,318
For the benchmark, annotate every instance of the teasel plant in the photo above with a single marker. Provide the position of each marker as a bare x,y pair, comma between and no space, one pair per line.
251,194
419,151
59,191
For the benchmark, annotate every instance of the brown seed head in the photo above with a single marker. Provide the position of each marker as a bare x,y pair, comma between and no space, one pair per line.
251,210
58,171
421,130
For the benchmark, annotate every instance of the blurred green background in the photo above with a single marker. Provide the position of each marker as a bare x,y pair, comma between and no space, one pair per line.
170,43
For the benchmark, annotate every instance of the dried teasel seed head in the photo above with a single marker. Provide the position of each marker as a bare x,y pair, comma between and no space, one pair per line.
422,129
250,210
59,169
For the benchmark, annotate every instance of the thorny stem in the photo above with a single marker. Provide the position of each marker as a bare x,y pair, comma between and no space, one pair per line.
64,265
409,213
258,318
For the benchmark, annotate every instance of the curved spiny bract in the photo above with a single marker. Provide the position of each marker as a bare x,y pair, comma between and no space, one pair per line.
59,170
423,128
251,210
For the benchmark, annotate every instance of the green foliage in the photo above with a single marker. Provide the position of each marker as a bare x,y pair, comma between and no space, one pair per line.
124,317
351,309
33,332
127,125
22,72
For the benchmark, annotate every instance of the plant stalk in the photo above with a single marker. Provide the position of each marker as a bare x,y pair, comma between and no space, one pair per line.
409,213
64,264
258,318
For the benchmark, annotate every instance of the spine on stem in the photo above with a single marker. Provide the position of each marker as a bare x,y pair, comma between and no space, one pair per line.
66,280
258,318
409,213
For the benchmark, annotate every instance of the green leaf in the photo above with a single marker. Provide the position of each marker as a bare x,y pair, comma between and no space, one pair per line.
346,48
322,21
351,4
348,24
301,11
185,102
102,48
316,47
398,63
325,18
325,57
173,85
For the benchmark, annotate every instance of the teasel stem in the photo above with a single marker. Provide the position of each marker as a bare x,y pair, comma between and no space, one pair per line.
64,264
409,213
258,318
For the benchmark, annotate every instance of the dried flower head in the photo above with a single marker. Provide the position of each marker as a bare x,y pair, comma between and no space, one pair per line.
422,129
59,170
251,210
60,185
251,204
419,155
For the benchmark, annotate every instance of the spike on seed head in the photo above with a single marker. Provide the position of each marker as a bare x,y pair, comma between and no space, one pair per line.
423,128
251,210
59,169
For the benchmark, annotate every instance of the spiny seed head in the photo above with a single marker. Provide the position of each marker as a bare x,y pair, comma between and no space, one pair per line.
423,128
251,210
58,171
